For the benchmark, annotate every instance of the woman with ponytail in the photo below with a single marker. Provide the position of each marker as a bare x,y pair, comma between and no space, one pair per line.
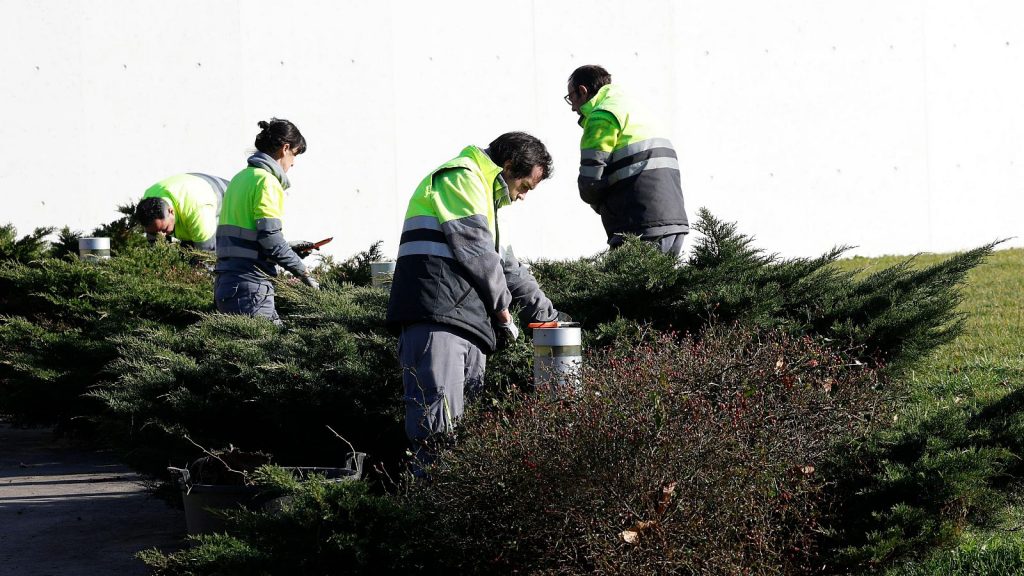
250,241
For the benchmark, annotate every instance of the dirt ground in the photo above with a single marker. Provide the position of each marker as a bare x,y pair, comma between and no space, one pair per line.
73,512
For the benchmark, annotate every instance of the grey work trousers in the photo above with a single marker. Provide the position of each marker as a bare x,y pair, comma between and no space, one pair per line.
440,370
668,244
236,296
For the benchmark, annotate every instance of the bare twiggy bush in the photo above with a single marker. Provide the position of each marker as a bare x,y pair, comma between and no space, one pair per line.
678,456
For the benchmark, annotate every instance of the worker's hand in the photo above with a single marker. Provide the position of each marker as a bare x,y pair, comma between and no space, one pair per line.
302,247
511,330
506,329
503,317
311,282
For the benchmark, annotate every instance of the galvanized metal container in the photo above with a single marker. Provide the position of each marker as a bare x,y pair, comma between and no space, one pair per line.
93,249
557,358
381,274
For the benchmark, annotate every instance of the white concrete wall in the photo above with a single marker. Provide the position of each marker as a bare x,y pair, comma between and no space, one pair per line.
894,126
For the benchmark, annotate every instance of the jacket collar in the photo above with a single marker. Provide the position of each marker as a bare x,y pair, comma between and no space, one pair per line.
492,172
606,91
266,162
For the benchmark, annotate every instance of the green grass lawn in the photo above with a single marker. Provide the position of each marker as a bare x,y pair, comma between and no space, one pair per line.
964,422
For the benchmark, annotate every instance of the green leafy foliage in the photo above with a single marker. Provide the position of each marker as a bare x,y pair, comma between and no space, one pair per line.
133,345
28,248
354,270
58,318
318,527
243,381
893,316
913,488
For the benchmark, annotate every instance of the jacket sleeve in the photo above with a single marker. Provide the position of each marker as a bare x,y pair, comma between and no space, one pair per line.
269,212
526,292
600,134
276,248
460,201
209,245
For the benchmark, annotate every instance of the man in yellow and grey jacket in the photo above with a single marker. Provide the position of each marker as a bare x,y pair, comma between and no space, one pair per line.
627,175
185,206
452,288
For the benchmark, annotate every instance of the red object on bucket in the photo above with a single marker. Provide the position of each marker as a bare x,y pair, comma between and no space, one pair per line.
552,324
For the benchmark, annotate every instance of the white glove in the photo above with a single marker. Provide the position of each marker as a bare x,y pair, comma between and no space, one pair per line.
511,329
311,282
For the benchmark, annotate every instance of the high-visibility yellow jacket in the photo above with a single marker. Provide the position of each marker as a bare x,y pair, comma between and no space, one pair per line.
449,269
629,176
196,200
249,237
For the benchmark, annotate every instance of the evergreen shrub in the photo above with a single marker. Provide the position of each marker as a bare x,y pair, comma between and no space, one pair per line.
679,456
893,316
31,247
739,420
317,527
243,381
912,489
353,270
58,317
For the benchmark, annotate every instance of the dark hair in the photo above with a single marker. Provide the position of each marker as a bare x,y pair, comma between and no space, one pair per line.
276,134
524,151
149,210
592,76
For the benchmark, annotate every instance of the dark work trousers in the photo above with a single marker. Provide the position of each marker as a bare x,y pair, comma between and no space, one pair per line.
440,370
671,244
236,296
668,244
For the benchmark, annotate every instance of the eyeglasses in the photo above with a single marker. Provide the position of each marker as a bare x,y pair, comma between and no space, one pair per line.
568,100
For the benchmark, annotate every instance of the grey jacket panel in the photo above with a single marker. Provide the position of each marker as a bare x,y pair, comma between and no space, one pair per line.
209,245
473,246
275,248
526,292
591,181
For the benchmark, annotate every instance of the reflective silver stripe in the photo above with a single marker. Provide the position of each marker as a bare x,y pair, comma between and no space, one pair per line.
649,164
426,248
236,252
269,224
218,184
422,222
594,172
236,231
599,155
640,147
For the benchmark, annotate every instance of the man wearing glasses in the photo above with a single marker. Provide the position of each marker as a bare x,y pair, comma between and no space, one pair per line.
627,175
452,288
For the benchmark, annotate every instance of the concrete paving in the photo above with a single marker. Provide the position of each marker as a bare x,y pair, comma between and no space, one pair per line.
74,512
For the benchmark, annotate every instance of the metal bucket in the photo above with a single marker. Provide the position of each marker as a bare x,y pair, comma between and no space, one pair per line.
381,274
93,249
203,502
557,358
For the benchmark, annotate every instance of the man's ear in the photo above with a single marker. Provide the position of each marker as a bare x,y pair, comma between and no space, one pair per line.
584,93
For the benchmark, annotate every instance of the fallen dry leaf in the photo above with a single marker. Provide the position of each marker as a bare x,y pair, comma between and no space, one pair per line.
667,491
632,536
